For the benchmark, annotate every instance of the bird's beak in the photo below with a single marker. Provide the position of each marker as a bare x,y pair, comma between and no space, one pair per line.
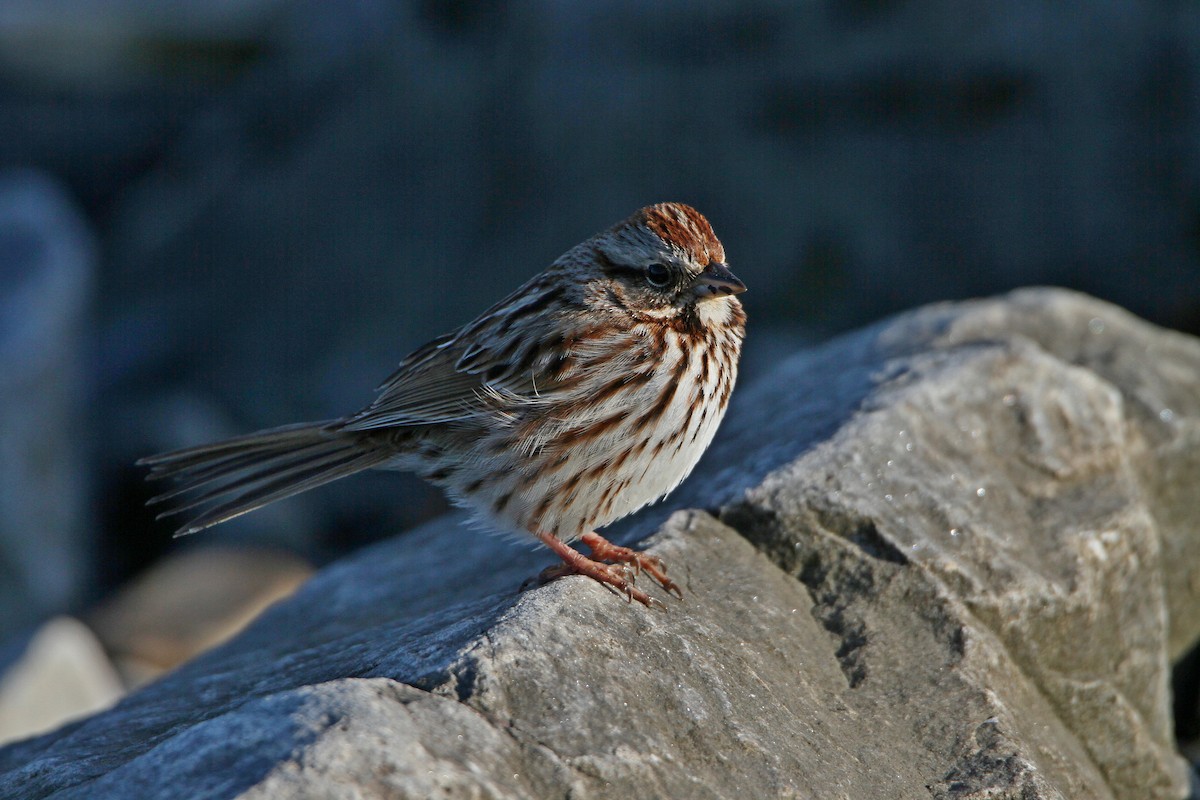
716,281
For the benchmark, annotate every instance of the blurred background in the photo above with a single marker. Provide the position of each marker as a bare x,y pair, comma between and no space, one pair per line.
222,215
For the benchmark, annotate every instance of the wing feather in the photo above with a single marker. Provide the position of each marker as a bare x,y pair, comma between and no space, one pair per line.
460,375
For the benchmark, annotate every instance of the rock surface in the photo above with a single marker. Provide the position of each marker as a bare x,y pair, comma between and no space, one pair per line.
948,556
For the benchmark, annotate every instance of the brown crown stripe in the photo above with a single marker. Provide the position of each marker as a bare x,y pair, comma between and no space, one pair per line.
684,227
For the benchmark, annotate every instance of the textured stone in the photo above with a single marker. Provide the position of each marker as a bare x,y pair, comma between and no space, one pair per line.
938,557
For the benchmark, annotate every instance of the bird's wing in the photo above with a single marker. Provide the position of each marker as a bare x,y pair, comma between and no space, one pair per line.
451,379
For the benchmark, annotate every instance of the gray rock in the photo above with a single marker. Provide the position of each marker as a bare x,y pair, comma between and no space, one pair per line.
47,264
944,556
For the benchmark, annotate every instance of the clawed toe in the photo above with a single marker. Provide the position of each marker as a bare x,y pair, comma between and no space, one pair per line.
618,577
653,566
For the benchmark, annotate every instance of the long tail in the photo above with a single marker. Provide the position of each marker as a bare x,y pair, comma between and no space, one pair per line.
230,478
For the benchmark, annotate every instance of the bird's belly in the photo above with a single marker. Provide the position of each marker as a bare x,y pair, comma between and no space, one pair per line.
657,470
589,483
578,465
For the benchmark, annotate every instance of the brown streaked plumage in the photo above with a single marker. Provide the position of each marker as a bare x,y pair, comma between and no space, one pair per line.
587,393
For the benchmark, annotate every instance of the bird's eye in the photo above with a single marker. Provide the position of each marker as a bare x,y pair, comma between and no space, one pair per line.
657,275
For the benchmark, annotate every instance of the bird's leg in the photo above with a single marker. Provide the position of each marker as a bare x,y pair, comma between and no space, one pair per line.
618,579
604,550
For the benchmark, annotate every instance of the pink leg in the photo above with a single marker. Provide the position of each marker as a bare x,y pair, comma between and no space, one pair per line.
604,550
575,563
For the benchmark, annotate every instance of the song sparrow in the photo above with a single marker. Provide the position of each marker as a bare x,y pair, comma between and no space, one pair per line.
584,395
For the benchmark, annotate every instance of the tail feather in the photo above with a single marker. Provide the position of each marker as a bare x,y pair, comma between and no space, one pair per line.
278,489
256,470
200,474
269,440
278,470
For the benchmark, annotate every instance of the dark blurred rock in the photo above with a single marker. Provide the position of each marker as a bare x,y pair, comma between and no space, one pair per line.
97,44
47,265
94,92
855,163
374,179
101,93
972,532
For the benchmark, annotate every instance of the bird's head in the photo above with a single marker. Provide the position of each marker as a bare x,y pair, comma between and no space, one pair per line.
664,262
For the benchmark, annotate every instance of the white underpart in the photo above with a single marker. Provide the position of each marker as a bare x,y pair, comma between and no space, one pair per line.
650,473
653,477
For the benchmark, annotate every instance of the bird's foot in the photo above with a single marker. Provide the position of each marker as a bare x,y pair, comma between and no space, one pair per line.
604,550
617,578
